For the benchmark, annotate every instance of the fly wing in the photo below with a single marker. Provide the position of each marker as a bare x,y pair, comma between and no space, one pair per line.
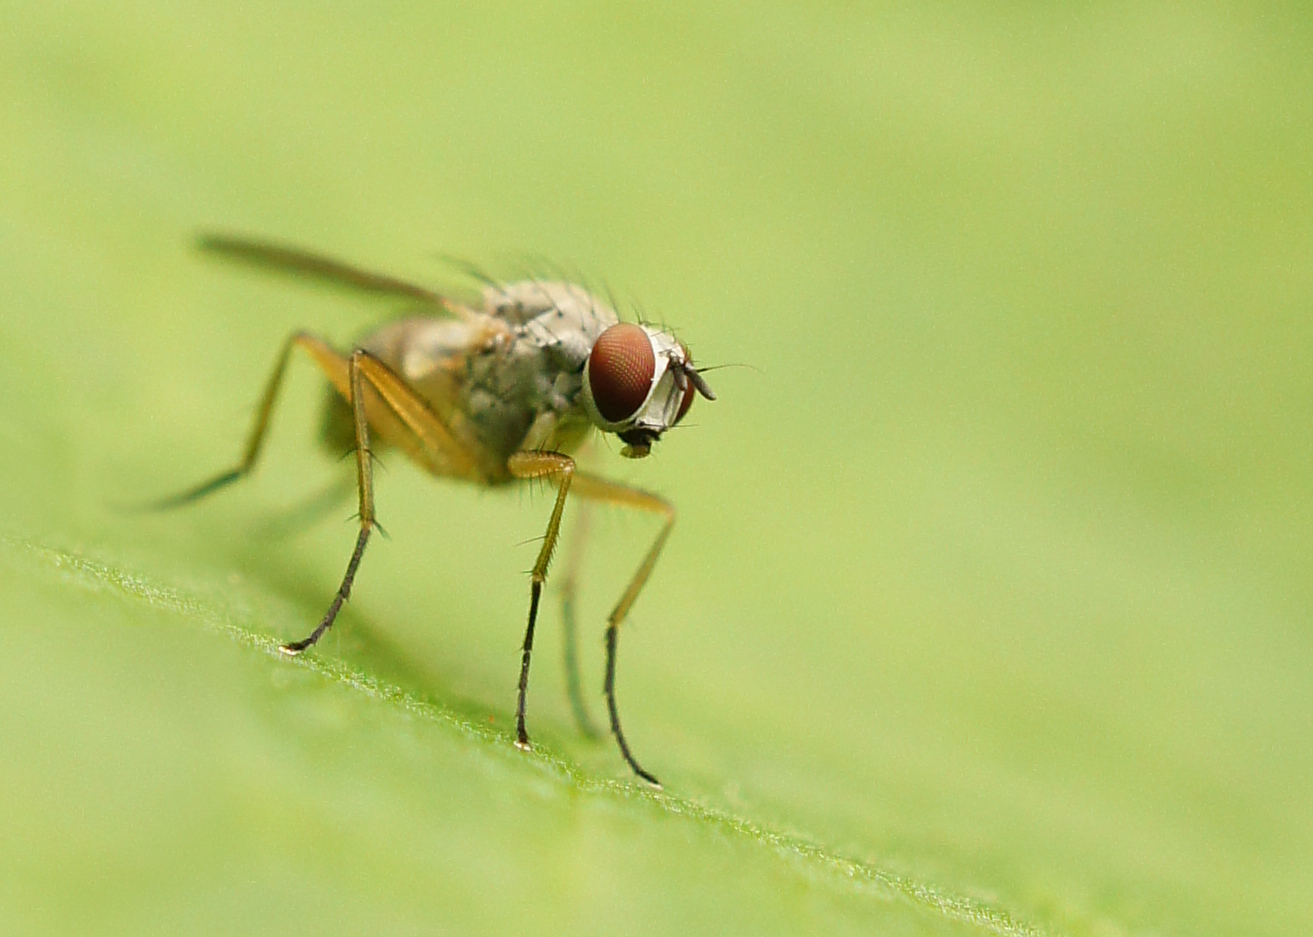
297,262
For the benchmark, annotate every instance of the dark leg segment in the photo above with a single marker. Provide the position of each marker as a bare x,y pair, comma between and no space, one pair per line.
521,734
612,631
292,648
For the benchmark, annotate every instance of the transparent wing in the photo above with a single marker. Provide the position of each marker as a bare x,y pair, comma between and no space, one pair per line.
294,261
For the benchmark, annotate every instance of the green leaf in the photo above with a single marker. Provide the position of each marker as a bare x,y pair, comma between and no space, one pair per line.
988,607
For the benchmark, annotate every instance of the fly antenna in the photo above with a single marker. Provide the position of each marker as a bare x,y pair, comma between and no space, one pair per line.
719,367
699,382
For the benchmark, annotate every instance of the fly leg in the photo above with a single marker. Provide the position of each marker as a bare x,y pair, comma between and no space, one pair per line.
599,489
323,355
529,465
569,579
376,393
365,496
345,375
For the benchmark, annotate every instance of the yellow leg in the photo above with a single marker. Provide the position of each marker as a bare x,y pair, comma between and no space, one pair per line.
365,495
599,489
399,402
333,365
530,465
390,404
345,375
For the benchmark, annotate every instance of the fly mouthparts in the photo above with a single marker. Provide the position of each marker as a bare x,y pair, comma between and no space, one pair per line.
638,443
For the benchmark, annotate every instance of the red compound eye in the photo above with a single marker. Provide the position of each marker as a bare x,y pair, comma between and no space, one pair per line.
620,371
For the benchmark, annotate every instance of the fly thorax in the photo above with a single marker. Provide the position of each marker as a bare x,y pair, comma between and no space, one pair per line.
562,318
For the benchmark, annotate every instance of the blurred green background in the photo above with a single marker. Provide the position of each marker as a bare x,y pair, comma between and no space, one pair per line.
988,608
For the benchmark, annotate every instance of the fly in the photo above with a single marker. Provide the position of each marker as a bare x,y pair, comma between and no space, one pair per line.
495,393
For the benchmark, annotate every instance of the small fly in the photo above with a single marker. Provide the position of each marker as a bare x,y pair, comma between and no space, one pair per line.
497,392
